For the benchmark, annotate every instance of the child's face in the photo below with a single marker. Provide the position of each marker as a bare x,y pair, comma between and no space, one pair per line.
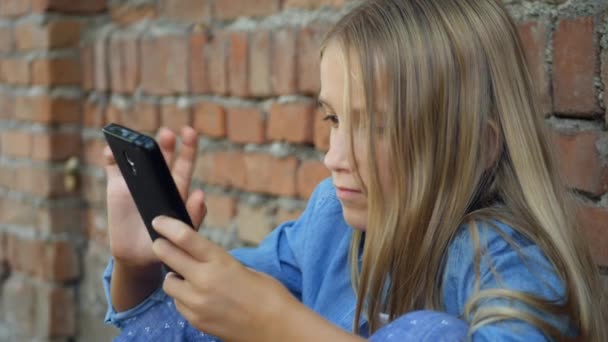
337,159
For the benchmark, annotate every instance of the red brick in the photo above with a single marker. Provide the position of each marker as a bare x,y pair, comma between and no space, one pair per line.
309,40
267,174
246,125
217,65
177,70
238,64
226,168
93,152
56,314
59,220
283,73
87,62
101,72
115,113
291,122
3,246
186,10
153,79
42,182
124,63
7,180
245,8
321,131
15,211
259,60
96,226
93,190
7,41
254,223
58,262
14,8
221,209
581,165
7,106
16,71
94,113
144,117
605,80
16,144
198,66
164,65
310,174
64,33
593,222
20,296
69,6
56,71
55,146
534,38
176,117
126,13
46,109
575,65
311,4
54,261
210,119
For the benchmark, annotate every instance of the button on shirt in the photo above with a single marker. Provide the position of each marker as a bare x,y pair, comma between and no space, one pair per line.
309,257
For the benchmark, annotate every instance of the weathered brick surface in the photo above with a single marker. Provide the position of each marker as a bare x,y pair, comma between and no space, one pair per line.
247,83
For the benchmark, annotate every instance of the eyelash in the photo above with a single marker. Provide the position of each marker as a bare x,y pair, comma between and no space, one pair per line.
332,118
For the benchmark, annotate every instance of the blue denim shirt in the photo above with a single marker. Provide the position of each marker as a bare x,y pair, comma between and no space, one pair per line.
309,256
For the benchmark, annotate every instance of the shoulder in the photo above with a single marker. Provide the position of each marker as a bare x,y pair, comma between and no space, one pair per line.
503,258
324,199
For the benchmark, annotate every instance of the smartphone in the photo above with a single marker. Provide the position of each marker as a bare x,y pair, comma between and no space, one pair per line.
147,175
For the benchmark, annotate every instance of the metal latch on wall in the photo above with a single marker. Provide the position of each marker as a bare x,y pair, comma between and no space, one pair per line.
71,169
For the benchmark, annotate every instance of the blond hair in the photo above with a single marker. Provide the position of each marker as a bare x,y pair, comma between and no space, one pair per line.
454,78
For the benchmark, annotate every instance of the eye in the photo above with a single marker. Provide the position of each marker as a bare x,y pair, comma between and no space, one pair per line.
332,118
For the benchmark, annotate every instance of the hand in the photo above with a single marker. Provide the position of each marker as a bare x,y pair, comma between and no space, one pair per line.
130,242
217,294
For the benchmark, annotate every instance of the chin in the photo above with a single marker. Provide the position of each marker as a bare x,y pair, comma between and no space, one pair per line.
355,219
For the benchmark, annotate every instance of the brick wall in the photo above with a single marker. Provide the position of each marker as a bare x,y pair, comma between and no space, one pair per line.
244,74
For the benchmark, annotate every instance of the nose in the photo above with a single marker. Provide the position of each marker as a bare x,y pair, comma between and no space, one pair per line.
336,159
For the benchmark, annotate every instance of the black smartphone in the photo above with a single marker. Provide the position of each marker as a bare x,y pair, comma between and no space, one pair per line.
147,175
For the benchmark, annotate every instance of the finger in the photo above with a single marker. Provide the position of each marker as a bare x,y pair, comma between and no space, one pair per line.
166,142
186,238
184,163
172,256
196,207
110,163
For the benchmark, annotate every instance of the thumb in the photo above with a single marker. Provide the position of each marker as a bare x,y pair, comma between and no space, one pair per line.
196,207
110,163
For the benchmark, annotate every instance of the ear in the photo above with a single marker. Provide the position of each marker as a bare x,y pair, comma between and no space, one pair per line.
493,140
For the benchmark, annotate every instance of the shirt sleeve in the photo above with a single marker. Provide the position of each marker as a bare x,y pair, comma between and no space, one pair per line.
423,326
278,255
155,319
520,267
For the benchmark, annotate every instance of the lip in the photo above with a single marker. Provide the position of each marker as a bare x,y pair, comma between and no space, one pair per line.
347,193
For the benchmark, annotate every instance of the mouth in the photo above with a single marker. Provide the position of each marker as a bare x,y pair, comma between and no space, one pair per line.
347,193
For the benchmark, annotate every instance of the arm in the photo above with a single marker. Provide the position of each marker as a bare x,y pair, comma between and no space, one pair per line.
520,268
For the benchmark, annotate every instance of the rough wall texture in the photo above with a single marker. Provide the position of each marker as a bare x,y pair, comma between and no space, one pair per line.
244,74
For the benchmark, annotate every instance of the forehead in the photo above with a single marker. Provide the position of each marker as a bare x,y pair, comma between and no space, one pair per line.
339,70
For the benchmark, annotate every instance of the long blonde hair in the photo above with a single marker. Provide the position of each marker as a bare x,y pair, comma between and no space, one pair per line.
454,78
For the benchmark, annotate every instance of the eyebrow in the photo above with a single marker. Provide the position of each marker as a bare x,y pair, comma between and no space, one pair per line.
324,103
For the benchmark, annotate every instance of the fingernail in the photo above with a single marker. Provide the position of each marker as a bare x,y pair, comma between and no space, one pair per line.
155,222
169,274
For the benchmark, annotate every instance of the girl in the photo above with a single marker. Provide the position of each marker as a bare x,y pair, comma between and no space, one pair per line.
443,197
